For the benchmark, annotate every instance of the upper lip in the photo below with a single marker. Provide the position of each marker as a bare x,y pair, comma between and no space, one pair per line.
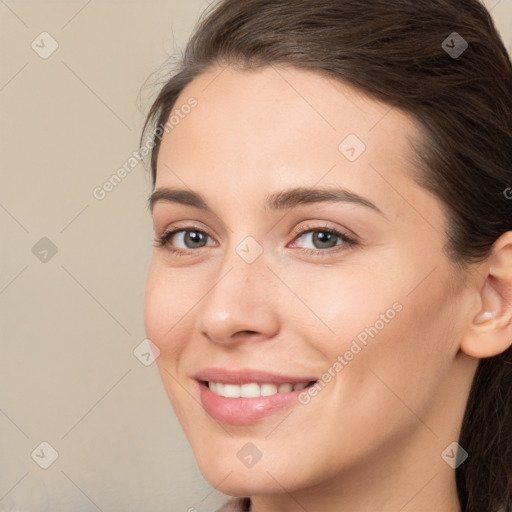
246,376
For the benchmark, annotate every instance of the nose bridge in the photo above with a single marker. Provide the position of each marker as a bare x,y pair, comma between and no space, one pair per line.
238,297
243,270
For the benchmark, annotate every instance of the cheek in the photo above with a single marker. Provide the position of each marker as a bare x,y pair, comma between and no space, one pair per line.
343,304
165,319
391,336
167,306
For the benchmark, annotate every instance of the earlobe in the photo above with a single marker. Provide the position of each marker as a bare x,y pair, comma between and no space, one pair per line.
490,332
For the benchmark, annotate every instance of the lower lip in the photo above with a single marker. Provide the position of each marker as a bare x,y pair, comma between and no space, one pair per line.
244,411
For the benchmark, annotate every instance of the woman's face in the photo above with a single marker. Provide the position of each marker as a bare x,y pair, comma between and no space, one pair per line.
307,253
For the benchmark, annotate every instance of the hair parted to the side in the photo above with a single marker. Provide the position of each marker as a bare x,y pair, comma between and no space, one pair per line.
391,50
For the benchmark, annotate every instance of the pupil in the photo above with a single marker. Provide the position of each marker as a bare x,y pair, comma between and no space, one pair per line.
194,237
322,237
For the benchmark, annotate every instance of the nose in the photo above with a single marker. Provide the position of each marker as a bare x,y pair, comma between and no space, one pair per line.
241,303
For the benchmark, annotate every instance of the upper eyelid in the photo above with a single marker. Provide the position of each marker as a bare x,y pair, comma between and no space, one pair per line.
308,228
303,230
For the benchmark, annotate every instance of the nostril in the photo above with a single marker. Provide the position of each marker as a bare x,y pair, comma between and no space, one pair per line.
245,333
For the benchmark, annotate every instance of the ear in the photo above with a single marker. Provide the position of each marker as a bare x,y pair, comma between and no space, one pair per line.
490,330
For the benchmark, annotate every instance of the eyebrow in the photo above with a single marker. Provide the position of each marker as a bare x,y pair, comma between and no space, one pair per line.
281,200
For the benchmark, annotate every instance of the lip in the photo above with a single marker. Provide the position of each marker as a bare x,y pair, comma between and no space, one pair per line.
245,411
230,376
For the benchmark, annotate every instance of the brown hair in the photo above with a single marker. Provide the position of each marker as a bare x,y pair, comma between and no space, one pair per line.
393,50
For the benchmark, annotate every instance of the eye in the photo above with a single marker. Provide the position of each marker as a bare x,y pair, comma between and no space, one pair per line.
324,240
189,239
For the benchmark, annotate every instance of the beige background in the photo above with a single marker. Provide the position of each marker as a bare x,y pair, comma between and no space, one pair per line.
69,325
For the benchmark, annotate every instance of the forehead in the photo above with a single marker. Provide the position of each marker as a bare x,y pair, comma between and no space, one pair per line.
283,125
276,108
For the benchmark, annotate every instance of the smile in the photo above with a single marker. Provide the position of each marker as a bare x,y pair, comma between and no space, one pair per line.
244,397
253,389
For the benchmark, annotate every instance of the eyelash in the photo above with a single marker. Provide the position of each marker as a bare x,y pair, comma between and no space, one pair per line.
348,241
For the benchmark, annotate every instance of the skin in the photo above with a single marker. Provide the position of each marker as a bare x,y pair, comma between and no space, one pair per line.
372,439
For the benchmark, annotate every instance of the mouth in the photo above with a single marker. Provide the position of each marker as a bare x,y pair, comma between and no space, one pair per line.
245,397
254,389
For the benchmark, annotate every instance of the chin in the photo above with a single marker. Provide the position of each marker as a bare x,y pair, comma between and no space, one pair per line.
244,483
263,478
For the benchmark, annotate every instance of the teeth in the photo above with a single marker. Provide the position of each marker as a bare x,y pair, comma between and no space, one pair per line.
285,388
231,391
268,389
217,387
252,389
